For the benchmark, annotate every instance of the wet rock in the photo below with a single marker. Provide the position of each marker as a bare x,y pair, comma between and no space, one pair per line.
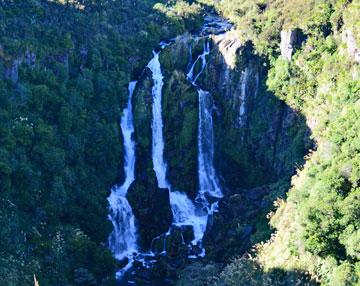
175,246
123,263
151,207
150,204
196,251
187,234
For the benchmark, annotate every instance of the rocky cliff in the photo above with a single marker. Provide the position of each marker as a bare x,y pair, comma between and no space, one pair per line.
258,142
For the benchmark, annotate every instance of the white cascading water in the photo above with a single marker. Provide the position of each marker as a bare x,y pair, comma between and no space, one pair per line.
215,25
186,213
122,240
202,57
183,209
208,180
159,164
244,83
157,123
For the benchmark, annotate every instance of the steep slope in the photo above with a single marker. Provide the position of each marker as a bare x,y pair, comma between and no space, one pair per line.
315,70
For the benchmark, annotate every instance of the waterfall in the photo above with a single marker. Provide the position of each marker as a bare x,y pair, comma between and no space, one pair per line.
208,180
245,77
183,209
249,87
157,123
122,240
201,57
215,25
186,213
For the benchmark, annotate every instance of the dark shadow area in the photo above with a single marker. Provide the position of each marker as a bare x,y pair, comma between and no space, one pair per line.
260,141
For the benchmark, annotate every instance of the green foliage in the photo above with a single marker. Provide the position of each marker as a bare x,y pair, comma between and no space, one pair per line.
180,105
181,13
246,271
321,234
61,149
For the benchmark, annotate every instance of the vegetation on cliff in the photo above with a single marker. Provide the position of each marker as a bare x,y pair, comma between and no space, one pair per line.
317,227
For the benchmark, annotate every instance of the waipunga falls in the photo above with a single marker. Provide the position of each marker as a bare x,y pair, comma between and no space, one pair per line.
179,142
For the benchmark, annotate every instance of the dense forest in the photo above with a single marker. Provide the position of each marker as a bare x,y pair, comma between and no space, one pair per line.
65,67
64,72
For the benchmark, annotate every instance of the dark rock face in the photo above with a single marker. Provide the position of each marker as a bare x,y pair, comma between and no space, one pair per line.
239,217
258,142
29,59
150,204
258,139
12,72
180,112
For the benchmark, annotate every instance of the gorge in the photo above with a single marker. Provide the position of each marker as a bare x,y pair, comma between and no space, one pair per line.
179,143
193,209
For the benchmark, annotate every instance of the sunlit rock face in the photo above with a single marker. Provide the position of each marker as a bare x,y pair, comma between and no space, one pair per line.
291,40
228,44
352,49
288,38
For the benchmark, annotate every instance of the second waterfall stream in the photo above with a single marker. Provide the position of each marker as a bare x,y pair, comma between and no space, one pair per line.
123,239
184,211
